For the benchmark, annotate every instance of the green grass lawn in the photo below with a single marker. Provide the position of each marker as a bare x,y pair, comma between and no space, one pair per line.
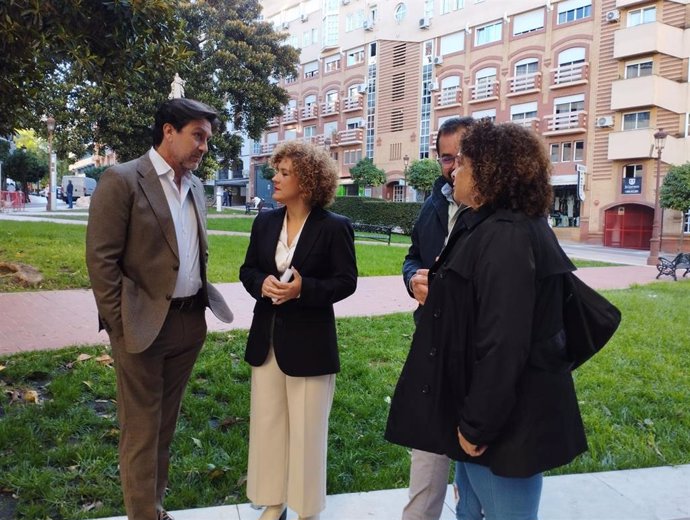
57,250
58,456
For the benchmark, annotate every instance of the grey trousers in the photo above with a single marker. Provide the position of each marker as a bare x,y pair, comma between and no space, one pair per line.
428,484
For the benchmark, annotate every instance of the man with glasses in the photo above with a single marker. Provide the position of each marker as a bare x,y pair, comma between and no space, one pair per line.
429,471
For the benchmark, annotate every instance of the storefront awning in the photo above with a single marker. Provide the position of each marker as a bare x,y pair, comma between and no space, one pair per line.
232,182
564,180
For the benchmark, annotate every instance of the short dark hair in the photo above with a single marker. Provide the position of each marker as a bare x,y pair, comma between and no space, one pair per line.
451,126
180,111
510,166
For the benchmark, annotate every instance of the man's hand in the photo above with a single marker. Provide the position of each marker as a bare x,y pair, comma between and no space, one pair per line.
419,285
280,292
471,449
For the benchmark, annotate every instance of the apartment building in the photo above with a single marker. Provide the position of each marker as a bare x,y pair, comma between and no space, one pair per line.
596,79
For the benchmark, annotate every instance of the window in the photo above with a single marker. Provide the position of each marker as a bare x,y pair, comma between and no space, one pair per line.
630,171
528,22
352,156
572,10
637,70
428,8
354,123
355,56
450,86
567,150
331,30
641,16
636,120
488,33
555,152
330,128
448,6
332,63
480,114
400,12
526,67
523,113
452,43
290,135
309,131
571,65
579,151
484,83
686,222
354,20
311,69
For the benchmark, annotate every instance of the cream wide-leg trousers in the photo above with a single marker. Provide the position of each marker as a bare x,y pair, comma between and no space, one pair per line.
288,438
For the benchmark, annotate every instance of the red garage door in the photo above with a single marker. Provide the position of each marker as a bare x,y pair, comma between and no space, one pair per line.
628,226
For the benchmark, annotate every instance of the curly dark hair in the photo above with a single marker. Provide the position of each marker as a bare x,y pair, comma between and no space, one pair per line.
511,168
316,170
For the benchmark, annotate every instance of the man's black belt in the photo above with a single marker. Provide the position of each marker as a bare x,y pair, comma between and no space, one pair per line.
188,303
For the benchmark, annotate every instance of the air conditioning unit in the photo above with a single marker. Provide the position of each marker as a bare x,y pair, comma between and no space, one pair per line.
285,25
613,16
368,25
434,86
605,122
362,89
424,23
304,18
345,2
437,60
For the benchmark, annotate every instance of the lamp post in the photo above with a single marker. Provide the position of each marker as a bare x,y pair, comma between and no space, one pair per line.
655,241
52,193
406,161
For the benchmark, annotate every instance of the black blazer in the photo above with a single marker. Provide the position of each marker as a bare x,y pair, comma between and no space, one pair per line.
302,330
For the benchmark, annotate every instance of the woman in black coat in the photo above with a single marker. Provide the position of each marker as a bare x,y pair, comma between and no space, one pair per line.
300,261
487,381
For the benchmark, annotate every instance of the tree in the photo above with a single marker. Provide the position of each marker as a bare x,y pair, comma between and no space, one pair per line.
228,58
422,174
25,166
267,171
365,173
675,191
92,39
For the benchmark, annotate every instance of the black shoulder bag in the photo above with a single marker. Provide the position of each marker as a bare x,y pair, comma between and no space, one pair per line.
589,319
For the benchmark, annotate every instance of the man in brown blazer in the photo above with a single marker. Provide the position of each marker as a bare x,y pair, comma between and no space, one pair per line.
146,252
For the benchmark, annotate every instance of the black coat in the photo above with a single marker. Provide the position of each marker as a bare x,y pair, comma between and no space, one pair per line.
485,355
303,329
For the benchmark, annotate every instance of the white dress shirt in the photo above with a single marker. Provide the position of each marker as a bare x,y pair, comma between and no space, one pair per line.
186,226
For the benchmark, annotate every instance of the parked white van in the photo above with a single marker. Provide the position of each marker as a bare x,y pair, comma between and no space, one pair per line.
83,186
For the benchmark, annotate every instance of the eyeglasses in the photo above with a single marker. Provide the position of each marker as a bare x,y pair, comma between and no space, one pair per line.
450,160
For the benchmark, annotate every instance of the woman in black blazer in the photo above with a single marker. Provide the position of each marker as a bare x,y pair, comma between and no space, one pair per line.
300,261
487,380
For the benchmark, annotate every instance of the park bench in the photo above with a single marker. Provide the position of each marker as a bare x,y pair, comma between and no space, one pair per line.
249,207
668,267
373,232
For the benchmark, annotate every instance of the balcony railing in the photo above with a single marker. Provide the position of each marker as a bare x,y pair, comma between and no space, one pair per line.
353,103
330,108
484,90
309,112
264,148
449,96
432,140
289,116
273,121
525,83
529,122
566,123
352,136
567,75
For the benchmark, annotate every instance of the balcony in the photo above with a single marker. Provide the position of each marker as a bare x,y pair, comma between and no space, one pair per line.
565,123
637,144
532,123
310,112
649,38
484,91
650,91
449,97
348,137
524,84
351,104
274,121
263,149
289,116
330,108
569,75
432,140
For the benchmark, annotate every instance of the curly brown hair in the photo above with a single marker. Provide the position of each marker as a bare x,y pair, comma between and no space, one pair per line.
510,167
316,170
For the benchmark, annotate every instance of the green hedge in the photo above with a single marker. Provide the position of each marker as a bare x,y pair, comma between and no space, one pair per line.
366,210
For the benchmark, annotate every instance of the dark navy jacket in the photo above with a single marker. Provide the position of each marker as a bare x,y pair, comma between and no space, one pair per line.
428,235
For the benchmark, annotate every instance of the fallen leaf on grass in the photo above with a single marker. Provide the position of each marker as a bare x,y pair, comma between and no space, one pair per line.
2,367
84,357
92,506
196,442
105,359
31,396
88,384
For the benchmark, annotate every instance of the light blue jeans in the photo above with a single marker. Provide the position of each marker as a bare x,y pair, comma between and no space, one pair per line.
484,495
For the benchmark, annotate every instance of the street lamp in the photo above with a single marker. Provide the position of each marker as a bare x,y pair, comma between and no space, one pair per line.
52,193
655,241
406,161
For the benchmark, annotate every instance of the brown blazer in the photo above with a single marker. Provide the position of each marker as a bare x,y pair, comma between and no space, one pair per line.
132,254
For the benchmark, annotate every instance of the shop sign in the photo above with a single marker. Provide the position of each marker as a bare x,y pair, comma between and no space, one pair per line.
632,186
